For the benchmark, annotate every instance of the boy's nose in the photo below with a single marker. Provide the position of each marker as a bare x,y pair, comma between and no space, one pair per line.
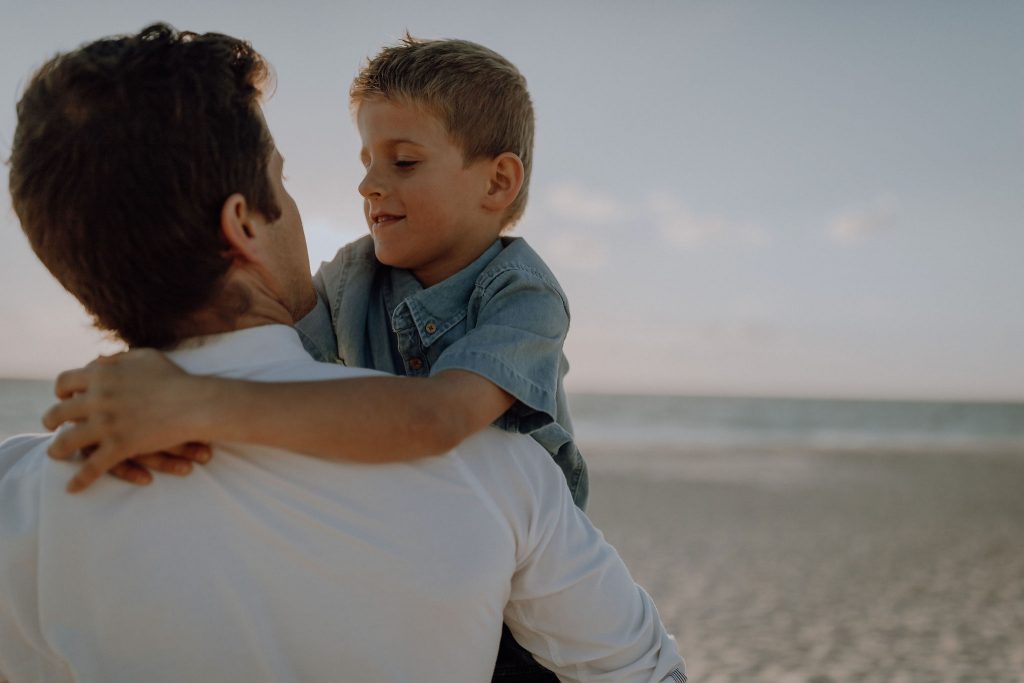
370,186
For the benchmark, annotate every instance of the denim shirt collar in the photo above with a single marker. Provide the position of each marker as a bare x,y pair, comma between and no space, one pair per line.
437,309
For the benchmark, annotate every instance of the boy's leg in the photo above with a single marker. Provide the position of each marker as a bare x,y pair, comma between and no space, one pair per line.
516,665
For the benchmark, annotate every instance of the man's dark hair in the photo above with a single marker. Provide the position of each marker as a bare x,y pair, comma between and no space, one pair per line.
124,154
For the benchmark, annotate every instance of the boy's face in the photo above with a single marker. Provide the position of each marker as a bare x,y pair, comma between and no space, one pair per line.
423,203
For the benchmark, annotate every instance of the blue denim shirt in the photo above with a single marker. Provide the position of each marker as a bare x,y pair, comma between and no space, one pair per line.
503,317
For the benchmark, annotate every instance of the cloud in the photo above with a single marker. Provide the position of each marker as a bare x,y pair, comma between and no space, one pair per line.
854,226
576,250
683,228
572,202
584,225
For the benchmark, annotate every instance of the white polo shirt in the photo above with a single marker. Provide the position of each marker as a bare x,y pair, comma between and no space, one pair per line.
267,565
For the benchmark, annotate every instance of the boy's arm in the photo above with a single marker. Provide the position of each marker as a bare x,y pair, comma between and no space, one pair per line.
140,402
367,419
516,343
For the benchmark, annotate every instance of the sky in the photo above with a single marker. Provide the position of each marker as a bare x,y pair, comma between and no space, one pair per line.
739,198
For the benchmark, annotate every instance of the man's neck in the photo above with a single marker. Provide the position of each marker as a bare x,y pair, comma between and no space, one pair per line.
238,306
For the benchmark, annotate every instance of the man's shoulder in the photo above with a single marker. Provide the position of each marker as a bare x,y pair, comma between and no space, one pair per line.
24,468
23,464
508,464
303,370
23,451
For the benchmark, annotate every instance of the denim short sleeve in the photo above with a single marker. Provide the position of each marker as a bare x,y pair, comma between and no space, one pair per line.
518,325
317,333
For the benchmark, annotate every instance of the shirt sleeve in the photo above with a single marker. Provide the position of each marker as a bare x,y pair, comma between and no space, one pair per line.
317,332
573,603
515,341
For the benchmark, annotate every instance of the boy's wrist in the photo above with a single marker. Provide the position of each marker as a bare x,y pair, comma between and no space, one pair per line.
206,413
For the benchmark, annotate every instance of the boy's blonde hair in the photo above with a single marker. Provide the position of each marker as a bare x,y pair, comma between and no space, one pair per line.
478,95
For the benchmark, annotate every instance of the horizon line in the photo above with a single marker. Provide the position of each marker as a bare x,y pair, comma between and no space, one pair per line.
734,395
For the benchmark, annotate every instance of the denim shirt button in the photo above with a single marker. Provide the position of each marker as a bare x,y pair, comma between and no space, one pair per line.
431,328
415,363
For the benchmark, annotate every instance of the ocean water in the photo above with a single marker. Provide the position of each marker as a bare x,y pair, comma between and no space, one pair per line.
717,423
710,423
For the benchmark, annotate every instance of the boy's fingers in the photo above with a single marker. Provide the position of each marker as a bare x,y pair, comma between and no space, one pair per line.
109,360
73,438
95,466
194,451
132,473
70,382
164,462
200,452
68,410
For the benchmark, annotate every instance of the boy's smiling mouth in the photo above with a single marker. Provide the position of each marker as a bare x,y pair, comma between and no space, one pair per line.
381,219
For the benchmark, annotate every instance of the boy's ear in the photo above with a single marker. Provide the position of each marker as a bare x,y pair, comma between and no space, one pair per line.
507,175
237,226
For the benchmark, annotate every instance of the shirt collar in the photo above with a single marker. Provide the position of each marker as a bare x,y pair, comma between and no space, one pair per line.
240,350
437,309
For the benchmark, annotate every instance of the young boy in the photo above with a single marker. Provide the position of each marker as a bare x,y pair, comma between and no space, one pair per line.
435,292
471,321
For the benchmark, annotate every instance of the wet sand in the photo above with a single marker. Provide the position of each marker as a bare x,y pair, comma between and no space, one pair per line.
821,567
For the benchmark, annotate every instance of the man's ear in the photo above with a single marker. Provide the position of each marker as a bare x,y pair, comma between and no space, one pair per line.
237,226
506,179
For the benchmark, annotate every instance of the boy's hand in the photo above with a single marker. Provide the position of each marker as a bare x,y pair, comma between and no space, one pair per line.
129,413
177,461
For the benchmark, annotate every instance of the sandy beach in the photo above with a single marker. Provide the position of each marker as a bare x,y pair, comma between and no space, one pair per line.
825,566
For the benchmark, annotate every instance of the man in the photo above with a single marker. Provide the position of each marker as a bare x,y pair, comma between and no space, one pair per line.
147,182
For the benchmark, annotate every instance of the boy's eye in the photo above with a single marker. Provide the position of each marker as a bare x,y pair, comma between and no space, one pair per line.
405,163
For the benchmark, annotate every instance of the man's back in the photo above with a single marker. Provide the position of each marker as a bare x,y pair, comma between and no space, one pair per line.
267,565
